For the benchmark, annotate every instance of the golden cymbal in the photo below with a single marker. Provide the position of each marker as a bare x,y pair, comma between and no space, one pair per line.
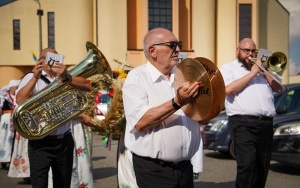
218,87
191,70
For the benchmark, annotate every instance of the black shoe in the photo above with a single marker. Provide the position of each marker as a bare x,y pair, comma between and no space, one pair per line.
5,166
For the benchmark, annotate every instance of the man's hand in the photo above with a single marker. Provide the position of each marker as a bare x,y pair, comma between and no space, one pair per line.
37,70
60,69
187,92
255,69
85,119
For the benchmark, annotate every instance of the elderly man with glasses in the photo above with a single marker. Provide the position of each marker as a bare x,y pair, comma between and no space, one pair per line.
162,139
250,107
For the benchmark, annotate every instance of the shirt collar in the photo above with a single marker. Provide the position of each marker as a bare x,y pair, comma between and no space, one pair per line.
156,74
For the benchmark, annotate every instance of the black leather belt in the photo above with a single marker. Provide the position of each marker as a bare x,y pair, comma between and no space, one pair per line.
58,137
163,163
252,117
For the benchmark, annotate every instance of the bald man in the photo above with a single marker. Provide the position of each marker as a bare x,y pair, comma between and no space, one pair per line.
162,139
250,106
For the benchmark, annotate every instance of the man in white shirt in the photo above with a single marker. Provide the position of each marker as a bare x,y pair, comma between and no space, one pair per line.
161,137
56,149
250,106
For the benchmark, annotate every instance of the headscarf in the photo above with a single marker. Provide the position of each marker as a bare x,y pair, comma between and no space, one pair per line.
4,91
3,95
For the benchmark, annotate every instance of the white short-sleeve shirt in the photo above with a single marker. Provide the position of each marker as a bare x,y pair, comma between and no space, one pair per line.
175,139
255,99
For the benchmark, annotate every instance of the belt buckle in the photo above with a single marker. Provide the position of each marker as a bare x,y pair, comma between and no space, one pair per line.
176,165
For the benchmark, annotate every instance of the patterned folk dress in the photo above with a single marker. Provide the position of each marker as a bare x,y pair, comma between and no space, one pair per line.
126,175
6,137
82,169
6,129
19,165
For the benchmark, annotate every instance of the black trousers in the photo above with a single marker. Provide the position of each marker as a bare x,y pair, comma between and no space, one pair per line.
154,173
252,137
55,152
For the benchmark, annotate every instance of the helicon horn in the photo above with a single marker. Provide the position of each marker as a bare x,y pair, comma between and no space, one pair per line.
59,102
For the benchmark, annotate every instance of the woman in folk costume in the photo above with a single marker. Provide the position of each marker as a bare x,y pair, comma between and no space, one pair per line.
7,129
19,164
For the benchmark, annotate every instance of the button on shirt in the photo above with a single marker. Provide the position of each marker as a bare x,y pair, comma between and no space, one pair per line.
39,86
255,99
175,139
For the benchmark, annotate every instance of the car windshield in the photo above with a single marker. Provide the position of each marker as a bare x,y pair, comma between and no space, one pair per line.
276,97
287,101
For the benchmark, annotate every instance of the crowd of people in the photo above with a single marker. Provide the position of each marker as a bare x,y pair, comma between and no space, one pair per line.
161,146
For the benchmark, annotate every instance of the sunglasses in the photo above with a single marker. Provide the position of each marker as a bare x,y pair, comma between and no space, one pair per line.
171,44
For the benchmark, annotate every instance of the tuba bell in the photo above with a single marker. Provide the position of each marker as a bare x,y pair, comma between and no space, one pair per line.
59,102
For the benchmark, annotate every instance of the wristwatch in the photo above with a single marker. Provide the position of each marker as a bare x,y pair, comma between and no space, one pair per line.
175,105
68,78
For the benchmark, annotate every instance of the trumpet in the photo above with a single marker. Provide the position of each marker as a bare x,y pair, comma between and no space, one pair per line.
275,62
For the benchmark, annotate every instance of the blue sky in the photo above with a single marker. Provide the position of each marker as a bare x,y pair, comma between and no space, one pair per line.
293,6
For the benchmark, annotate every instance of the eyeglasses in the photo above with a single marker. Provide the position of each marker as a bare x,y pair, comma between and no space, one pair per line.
247,51
171,44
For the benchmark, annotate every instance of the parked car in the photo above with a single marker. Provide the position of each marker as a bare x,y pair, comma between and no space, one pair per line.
287,105
222,115
286,144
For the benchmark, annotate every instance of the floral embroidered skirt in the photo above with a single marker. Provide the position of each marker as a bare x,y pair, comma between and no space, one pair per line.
6,138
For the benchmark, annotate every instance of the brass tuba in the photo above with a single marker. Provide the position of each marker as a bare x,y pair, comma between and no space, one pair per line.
59,102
